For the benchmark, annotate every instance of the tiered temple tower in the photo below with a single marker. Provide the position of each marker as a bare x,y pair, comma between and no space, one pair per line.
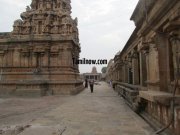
37,56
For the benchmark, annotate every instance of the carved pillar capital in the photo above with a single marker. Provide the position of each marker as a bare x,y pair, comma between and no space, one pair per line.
134,54
175,36
149,45
143,45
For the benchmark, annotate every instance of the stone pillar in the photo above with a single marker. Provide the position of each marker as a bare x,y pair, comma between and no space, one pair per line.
1,64
135,68
116,74
69,57
34,59
10,58
143,69
164,61
125,73
60,57
16,56
21,59
147,64
30,57
175,44
26,60
65,57
45,56
120,75
45,61
1,60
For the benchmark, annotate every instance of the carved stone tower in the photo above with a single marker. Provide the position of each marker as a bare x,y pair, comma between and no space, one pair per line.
37,56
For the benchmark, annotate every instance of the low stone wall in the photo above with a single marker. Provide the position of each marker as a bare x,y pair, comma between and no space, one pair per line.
40,88
154,106
162,112
129,93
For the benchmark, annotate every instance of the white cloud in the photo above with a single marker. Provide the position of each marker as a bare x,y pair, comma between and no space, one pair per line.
104,26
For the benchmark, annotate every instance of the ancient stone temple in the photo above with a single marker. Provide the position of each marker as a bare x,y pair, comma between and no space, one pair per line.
36,57
93,75
147,71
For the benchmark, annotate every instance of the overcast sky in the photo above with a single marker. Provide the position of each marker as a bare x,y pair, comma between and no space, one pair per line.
104,25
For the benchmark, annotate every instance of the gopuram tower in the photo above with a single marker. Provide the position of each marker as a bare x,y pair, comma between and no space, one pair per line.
36,58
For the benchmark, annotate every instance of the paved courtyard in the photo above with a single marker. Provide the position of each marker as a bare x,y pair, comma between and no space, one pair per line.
100,113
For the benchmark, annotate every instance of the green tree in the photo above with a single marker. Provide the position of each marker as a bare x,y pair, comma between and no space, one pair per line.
104,69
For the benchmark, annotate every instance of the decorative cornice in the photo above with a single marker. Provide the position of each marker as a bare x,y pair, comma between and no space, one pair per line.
139,13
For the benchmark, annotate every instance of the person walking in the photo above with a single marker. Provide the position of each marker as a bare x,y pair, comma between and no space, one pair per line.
86,83
91,83
110,83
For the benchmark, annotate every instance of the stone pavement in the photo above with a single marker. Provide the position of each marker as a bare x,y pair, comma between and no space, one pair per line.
100,113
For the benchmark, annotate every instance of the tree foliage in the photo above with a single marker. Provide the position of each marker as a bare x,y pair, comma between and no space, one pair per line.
104,69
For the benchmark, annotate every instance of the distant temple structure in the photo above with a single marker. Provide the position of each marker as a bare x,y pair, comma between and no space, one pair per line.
93,75
36,57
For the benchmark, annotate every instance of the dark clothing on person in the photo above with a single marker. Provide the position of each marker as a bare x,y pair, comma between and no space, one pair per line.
91,83
91,87
86,83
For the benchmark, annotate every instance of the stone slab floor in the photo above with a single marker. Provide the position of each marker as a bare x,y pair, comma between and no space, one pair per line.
100,113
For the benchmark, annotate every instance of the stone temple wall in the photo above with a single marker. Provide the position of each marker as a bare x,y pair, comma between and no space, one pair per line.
146,71
36,58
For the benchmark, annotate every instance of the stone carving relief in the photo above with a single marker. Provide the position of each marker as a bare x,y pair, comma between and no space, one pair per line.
47,17
55,28
17,26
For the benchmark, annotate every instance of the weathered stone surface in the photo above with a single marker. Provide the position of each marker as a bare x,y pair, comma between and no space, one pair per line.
100,113
158,96
38,53
150,60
